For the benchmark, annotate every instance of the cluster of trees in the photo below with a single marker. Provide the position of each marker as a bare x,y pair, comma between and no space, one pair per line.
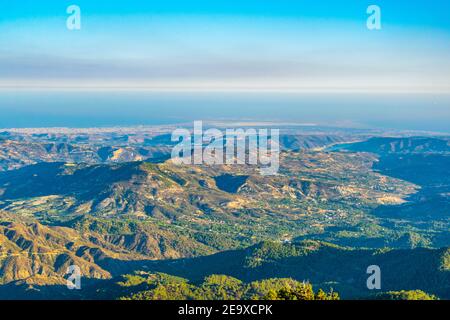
160,286
302,292
406,295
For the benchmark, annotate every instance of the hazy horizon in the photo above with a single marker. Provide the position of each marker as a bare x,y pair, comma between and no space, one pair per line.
157,62
424,112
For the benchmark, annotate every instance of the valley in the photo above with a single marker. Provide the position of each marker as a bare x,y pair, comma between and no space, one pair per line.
113,203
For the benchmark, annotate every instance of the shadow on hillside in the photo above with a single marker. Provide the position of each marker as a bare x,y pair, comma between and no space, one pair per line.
325,267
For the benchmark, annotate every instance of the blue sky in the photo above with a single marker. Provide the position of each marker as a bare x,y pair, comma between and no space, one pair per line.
304,46
401,12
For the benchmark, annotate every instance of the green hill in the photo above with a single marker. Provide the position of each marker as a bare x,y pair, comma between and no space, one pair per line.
324,266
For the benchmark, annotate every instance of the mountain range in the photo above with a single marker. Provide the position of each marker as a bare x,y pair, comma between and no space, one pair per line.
380,201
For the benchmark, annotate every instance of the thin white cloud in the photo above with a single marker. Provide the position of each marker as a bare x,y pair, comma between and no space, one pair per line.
225,57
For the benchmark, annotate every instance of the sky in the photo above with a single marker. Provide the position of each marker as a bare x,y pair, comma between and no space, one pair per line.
151,62
232,45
